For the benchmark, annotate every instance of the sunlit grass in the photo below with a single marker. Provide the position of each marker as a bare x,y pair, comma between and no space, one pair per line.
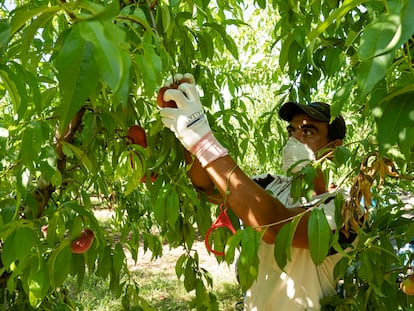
162,291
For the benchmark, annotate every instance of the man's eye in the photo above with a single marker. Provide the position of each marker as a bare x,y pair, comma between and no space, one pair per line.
307,132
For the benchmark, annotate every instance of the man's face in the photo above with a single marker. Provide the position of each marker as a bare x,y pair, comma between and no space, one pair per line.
309,131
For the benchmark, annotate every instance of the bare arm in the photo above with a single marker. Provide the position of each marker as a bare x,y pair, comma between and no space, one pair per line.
201,180
252,204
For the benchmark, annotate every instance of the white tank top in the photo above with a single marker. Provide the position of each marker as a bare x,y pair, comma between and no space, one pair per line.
302,284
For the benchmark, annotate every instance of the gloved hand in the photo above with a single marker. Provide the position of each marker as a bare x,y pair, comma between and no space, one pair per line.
180,78
187,121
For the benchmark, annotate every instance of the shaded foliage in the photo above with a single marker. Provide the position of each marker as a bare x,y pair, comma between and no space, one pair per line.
75,75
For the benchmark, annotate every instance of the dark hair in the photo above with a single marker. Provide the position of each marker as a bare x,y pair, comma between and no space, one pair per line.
333,133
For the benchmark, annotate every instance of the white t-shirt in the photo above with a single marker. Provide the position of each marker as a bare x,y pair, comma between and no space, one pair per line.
302,284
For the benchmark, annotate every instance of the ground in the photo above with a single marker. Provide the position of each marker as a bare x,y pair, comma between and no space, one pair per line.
221,272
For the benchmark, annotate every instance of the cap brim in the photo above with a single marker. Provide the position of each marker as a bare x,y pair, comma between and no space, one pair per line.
289,109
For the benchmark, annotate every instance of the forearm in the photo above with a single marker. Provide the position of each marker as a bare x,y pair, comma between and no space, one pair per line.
251,203
215,170
201,180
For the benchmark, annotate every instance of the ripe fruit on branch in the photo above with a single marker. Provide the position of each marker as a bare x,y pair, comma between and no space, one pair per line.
83,242
136,135
160,98
407,286
152,179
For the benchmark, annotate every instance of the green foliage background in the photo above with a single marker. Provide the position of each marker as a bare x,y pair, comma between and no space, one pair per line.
76,74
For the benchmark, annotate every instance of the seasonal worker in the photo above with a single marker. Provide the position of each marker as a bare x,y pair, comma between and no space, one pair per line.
265,199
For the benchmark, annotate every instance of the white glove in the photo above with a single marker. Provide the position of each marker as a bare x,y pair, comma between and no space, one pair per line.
189,123
180,78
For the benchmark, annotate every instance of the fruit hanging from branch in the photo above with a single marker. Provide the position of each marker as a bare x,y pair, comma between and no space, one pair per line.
136,135
83,242
171,104
407,286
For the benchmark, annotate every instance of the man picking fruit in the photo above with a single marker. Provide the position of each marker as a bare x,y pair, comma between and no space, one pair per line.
265,200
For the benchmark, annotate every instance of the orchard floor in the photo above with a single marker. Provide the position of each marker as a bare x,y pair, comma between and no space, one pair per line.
222,272
223,275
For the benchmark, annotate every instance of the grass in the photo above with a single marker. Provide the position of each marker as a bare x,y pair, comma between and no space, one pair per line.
162,291
160,288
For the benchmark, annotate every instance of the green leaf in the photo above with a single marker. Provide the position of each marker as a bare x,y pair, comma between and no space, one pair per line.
165,17
18,246
206,45
248,262
284,52
371,71
99,12
105,263
346,6
118,258
380,37
339,201
149,65
77,74
180,264
228,41
397,115
319,234
407,22
333,61
31,144
172,203
31,31
38,282
232,244
341,155
25,13
11,86
283,241
189,275
112,60
5,32
133,167
282,246
261,3
160,212
341,97
59,264
140,18
79,153
77,268
293,55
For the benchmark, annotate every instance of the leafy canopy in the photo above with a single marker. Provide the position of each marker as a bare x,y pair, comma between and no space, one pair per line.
76,74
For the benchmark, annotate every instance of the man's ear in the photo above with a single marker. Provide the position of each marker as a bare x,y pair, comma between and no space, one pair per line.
331,145
336,142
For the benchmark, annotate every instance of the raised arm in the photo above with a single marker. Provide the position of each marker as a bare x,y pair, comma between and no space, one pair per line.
251,203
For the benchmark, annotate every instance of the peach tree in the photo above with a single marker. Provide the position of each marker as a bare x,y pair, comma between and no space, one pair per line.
76,75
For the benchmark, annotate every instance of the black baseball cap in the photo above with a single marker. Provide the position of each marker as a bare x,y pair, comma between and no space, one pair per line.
319,111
